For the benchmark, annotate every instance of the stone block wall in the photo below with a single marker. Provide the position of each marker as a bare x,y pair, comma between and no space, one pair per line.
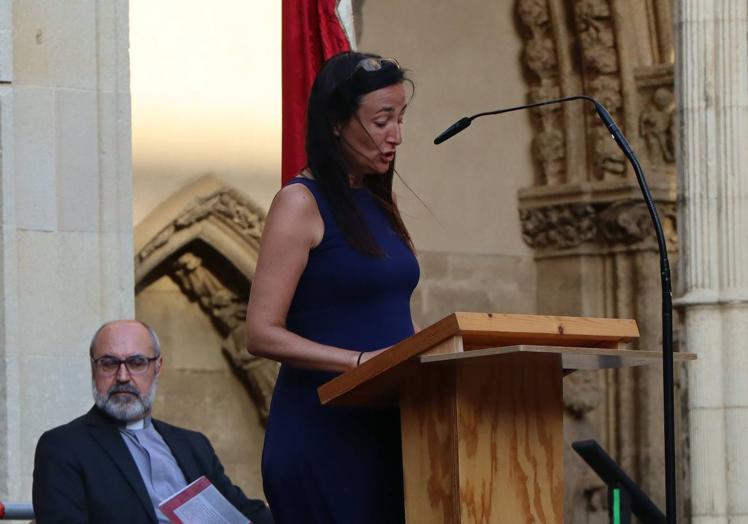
460,282
460,203
66,207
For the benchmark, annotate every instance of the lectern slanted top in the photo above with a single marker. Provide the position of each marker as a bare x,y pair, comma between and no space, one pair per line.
377,380
481,405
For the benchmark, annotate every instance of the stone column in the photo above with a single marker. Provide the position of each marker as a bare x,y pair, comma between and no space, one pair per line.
66,207
712,77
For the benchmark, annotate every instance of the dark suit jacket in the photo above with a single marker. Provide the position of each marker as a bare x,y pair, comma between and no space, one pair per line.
84,473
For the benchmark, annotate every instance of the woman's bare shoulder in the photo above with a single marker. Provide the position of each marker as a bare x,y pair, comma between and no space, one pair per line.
294,212
295,199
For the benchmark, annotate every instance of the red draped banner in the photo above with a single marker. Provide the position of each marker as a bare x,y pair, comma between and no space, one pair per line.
312,33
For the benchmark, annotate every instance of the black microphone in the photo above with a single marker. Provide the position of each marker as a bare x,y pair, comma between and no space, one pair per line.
667,293
452,130
465,121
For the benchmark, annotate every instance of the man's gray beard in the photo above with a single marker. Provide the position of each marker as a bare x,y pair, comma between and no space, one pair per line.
125,408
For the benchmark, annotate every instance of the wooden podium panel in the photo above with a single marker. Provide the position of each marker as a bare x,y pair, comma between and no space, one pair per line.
483,442
481,407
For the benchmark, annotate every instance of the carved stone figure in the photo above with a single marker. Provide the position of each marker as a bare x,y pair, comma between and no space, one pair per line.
548,149
541,55
227,312
584,490
656,126
534,13
581,392
259,374
247,220
596,35
626,222
609,159
600,59
198,283
541,58
607,90
542,92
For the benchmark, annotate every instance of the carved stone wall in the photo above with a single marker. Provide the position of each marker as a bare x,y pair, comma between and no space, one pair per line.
177,247
65,207
594,244
542,60
193,270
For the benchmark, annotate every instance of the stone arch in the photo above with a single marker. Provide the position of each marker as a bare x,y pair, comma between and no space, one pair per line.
205,238
209,210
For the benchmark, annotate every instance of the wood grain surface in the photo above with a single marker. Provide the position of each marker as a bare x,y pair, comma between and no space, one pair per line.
377,380
510,440
483,441
429,435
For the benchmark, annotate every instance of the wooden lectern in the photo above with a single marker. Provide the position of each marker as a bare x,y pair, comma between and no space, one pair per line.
481,406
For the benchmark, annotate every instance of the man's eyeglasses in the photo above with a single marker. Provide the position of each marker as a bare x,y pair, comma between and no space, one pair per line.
136,364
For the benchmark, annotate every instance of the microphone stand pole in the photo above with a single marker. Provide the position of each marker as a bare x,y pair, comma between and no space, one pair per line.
667,291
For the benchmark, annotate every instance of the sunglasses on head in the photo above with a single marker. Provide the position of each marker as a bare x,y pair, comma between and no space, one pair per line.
371,64
384,71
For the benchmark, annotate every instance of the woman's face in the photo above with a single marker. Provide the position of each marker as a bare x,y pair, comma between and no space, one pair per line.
371,136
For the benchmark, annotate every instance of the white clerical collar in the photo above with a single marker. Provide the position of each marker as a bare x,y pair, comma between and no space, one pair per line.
138,424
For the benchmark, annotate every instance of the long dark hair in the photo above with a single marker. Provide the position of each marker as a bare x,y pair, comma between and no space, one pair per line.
334,99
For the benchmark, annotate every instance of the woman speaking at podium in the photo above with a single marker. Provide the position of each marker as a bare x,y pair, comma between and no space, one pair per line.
332,288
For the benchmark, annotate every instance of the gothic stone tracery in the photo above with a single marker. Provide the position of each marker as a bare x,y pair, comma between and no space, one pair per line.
227,311
585,212
563,226
225,305
227,205
541,59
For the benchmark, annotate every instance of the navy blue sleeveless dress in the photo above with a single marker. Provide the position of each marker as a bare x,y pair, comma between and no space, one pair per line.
340,465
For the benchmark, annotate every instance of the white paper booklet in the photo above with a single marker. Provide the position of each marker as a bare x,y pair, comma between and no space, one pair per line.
201,503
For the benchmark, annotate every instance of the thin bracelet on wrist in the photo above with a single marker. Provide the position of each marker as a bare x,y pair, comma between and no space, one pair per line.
358,360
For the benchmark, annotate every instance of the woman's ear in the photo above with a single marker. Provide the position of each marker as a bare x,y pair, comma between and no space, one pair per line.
336,131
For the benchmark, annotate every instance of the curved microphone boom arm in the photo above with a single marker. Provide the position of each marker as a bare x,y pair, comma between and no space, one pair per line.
667,291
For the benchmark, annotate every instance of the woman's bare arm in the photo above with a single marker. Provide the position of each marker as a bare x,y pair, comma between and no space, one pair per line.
293,227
